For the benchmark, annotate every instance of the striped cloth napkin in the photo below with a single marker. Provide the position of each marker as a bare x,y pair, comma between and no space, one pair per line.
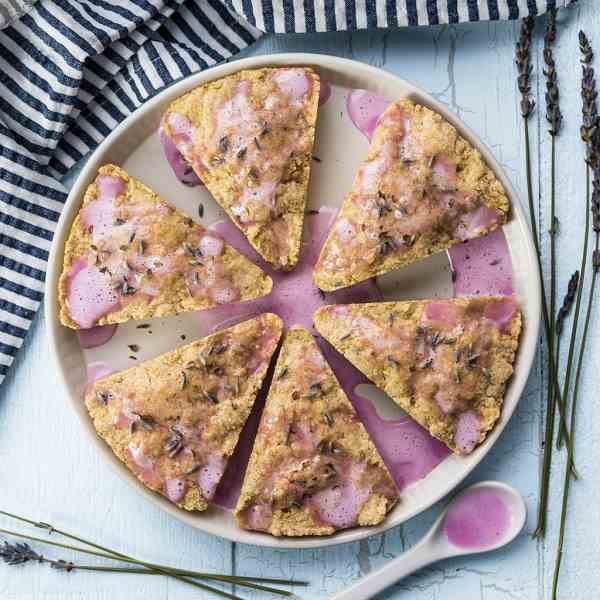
70,70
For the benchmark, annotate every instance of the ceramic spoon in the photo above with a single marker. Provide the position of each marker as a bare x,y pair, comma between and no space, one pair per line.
483,517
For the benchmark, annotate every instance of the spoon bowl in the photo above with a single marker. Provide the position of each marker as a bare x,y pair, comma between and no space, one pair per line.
480,518
483,517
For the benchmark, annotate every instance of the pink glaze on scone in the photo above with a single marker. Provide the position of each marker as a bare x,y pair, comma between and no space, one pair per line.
421,189
175,420
249,138
314,469
445,362
131,255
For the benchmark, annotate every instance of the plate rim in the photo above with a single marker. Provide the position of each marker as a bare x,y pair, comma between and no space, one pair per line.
528,342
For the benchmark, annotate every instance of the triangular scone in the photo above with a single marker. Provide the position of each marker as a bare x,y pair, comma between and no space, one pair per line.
445,362
314,468
175,420
131,255
249,137
422,189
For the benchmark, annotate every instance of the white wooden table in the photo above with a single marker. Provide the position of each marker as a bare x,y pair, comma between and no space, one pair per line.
50,472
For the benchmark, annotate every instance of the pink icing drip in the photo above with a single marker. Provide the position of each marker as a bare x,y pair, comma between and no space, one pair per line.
341,504
180,166
501,313
181,127
442,312
472,223
143,465
210,475
467,432
478,519
175,489
211,245
109,187
324,92
294,83
96,336
224,294
259,517
98,215
444,172
365,108
90,295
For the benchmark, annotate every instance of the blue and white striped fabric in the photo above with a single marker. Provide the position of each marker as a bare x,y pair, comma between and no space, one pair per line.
70,70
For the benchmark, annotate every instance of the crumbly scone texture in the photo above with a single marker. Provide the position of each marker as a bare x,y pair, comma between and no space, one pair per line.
177,418
166,232
434,369
309,436
265,158
411,198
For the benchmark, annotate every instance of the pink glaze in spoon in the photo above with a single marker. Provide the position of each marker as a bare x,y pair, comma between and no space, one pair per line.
483,517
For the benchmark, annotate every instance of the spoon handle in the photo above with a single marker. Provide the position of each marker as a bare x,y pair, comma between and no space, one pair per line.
414,559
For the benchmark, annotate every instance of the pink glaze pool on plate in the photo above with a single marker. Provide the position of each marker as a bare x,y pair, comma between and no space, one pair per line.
96,336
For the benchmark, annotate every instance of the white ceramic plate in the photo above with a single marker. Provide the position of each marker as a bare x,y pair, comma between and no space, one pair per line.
134,144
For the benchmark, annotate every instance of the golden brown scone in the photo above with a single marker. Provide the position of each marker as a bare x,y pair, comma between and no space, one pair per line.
314,469
175,420
445,362
422,189
249,137
131,255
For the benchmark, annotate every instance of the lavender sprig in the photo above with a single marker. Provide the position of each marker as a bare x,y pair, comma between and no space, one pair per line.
589,128
553,113
524,66
144,567
570,446
19,553
564,311
554,118
589,95
567,304
524,69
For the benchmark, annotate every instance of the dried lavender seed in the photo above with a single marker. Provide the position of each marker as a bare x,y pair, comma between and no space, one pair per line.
314,390
223,144
211,398
103,397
